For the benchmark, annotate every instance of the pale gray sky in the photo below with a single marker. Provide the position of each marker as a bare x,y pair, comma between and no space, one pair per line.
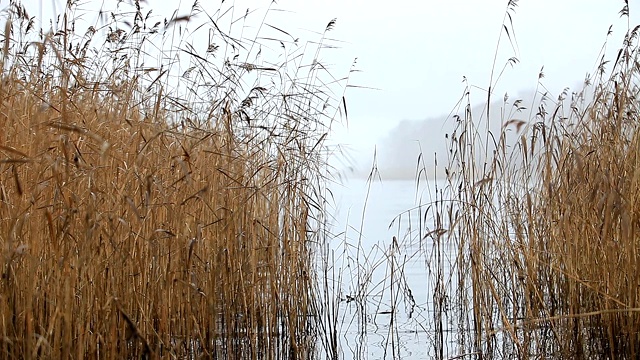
417,52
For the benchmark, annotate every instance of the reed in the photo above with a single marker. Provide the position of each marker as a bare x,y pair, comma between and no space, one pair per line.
544,214
158,211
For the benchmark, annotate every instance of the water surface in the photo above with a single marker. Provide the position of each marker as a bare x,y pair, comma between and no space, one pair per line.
393,292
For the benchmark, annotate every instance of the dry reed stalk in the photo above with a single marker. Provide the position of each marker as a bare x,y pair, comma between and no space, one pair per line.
547,226
141,222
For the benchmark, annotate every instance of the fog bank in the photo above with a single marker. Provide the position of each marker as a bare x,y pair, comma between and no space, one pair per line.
417,145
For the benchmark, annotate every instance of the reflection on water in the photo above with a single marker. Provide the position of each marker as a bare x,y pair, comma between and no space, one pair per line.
393,276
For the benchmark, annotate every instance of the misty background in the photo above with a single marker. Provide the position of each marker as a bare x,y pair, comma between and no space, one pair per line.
413,146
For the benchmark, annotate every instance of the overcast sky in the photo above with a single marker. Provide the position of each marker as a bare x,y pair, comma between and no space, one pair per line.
417,52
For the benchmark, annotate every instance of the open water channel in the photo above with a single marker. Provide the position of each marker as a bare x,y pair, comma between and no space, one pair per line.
395,295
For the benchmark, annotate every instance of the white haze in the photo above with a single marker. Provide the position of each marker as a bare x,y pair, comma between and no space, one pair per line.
418,145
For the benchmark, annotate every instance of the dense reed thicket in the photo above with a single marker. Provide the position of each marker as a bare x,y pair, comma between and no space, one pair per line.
163,210
546,219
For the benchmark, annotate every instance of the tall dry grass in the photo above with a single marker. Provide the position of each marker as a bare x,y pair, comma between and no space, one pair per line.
145,214
546,218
